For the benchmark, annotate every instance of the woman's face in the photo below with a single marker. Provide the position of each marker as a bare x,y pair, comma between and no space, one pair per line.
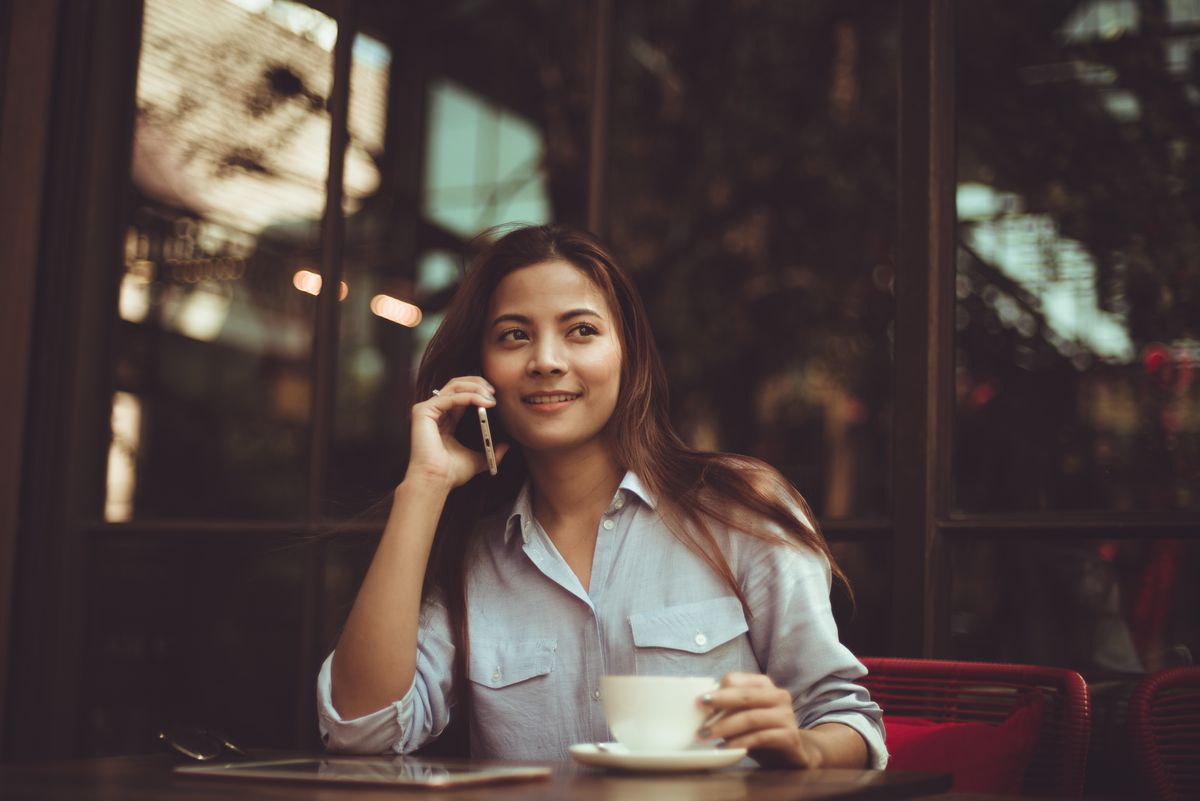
552,350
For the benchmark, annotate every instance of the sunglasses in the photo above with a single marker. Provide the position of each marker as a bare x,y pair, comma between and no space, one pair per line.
199,743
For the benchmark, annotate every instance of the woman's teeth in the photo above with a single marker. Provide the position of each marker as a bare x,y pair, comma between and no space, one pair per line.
550,399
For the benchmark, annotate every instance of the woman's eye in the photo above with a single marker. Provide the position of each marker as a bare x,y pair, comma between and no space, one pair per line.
586,330
512,335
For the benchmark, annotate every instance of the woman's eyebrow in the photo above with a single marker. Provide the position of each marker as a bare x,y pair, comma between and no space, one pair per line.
581,312
511,318
562,318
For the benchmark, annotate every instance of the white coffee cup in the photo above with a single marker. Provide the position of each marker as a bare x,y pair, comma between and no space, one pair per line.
654,713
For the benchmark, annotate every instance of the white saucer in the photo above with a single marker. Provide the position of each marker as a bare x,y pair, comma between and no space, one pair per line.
615,755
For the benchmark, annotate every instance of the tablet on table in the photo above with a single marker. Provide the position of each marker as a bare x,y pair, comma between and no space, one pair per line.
394,771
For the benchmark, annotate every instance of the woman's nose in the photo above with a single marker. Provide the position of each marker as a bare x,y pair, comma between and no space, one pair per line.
547,359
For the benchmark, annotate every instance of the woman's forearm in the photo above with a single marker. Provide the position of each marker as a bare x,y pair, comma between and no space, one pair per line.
840,746
375,660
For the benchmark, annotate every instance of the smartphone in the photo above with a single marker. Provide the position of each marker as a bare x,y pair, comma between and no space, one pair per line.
488,448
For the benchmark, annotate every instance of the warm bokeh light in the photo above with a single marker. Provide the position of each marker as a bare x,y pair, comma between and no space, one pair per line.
310,282
396,310
307,281
201,313
133,303
121,480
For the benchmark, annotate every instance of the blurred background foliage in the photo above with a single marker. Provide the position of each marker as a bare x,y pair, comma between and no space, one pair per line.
1079,276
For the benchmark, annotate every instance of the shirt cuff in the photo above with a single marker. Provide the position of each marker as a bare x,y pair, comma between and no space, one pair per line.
871,733
375,733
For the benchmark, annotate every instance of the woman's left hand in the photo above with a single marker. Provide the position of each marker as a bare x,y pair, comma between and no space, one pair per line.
758,716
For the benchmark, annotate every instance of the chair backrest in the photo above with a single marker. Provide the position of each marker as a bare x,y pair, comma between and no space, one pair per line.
989,692
1164,729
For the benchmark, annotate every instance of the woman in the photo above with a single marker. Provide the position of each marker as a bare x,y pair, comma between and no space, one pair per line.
604,545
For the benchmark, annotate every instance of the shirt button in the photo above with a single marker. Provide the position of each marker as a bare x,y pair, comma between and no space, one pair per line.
620,502
595,695
496,675
608,525
701,639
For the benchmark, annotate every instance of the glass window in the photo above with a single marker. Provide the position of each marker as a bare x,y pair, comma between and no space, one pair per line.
864,620
1078,319
753,190
1098,606
496,95
202,630
484,164
345,557
212,368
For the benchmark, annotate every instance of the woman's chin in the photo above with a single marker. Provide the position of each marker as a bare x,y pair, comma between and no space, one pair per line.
556,446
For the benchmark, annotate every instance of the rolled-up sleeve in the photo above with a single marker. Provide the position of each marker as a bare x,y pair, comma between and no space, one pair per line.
408,723
795,640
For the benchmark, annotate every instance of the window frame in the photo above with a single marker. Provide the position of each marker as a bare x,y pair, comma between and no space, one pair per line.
88,85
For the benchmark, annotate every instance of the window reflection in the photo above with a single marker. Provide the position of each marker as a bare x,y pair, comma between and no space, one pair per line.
228,172
437,277
1099,606
487,129
366,123
232,118
1077,339
484,164
752,188
1048,276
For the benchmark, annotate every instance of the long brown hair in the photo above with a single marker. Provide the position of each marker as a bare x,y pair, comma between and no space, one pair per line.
693,489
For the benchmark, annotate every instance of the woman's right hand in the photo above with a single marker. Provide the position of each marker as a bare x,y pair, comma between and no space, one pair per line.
435,453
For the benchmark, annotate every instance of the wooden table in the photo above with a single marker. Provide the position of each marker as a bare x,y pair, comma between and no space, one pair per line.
151,778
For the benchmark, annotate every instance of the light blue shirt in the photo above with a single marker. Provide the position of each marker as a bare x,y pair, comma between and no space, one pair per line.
540,641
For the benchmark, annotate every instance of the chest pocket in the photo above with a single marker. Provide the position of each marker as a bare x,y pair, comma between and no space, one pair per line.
511,684
498,664
703,638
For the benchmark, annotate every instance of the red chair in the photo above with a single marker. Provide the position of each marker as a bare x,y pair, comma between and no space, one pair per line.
954,692
1164,730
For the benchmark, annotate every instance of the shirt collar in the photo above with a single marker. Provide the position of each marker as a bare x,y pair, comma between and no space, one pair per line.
522,508
633,486
521,514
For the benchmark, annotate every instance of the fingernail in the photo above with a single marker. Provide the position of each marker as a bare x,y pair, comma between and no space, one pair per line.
490,397
706,698
705,733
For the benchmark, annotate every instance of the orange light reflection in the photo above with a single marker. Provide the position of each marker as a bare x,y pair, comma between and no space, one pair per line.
310,282
396,310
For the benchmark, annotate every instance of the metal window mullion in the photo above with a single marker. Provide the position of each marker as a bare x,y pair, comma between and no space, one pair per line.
325,335
25,107
923,332
1069,529
598,140
325,351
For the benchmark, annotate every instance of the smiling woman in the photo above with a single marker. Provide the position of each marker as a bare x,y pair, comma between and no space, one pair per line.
553,354
604,546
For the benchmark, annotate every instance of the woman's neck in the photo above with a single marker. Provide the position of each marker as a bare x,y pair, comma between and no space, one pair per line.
570,485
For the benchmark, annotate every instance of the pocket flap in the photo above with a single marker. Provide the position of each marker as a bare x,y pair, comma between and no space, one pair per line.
696,628
496,663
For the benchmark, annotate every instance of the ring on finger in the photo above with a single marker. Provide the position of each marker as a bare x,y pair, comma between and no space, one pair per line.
437,392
